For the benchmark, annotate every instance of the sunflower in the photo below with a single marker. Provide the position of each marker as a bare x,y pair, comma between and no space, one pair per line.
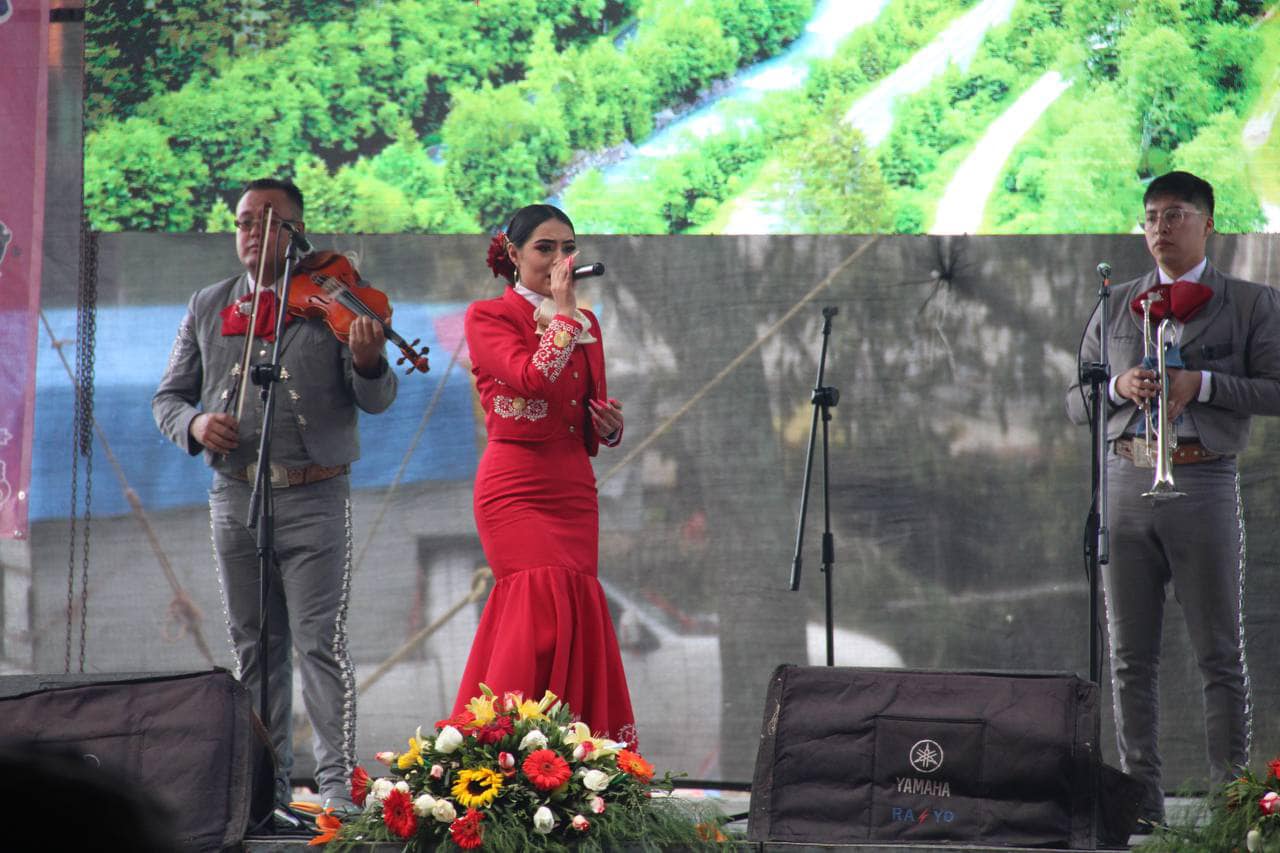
477,788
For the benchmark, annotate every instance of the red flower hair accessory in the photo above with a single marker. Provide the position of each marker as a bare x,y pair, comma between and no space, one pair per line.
499,261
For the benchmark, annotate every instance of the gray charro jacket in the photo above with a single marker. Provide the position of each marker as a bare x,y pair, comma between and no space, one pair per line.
1235,336
320,393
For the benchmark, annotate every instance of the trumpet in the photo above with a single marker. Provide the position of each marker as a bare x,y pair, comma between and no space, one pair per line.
1159,455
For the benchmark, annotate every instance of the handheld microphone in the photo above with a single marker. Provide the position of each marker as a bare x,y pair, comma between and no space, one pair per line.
295,236
1104,270
588,270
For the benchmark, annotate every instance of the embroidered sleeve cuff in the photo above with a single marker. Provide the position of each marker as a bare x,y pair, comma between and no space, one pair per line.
556,346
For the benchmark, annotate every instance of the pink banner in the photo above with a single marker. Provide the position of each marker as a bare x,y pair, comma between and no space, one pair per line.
24,30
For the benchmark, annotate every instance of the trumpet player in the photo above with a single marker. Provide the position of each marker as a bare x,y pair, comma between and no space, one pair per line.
1222,349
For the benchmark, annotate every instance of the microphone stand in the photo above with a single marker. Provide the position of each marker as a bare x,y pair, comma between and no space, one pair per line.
1097,534
824,399
261,515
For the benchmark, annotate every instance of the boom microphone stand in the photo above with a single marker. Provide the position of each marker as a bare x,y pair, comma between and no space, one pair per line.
824,399
1097,535
261,504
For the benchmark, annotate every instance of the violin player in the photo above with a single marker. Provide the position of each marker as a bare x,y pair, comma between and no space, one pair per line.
314,442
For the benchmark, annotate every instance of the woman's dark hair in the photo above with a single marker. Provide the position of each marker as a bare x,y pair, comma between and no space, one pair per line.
529,218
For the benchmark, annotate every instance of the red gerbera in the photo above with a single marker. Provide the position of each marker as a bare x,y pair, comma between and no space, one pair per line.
397,814
1274,766
496,730
546,769
466,830
359,786
459,720
631,762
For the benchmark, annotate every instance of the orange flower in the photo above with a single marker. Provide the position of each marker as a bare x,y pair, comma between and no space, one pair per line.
327,825
710,832
631,762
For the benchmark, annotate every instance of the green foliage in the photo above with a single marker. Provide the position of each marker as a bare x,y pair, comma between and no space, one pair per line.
1166,94
874,51
1230,819
624,208
682,50
762,27
839,187
1215,154
131,170
500,148
344,83
1070,177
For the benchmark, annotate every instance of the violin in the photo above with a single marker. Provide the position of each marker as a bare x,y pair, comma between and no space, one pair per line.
326,285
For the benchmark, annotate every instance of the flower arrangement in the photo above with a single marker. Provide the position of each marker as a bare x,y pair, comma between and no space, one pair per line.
514,774
1243,815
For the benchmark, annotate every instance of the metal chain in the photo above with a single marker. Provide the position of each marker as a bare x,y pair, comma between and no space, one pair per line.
82,432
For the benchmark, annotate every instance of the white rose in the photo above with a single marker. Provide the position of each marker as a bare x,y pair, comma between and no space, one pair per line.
402,786
535,739
543,820
444,811
448,740
381,789
423,805
595,780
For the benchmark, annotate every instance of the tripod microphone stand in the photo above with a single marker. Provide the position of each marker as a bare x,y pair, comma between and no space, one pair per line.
1097,534
824,399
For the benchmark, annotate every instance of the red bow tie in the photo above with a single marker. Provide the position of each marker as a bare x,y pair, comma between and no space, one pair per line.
235,317
1182,299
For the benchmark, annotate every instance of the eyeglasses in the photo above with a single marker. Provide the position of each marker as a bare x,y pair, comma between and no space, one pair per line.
247,225
1172,216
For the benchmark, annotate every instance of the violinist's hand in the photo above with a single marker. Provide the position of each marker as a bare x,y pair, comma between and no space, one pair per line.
563,287
606,416
217,431
366,340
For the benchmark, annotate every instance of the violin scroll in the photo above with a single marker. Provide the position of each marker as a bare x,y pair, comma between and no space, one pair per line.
416,362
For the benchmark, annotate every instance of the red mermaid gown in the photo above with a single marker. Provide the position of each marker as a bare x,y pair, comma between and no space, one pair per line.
546,625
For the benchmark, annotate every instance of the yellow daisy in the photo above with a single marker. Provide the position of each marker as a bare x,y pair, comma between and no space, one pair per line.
475,789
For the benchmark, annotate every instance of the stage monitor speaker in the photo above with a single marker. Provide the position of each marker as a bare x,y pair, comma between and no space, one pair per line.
858,756
188,741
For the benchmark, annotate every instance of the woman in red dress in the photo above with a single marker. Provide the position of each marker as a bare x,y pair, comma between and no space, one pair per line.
539,367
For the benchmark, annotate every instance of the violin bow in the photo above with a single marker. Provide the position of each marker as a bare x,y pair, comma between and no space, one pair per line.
253,315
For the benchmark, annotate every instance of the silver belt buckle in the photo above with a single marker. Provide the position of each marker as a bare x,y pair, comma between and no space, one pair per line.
279,474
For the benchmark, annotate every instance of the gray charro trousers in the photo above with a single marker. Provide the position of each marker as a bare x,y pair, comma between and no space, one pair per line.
1195,543
307,612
